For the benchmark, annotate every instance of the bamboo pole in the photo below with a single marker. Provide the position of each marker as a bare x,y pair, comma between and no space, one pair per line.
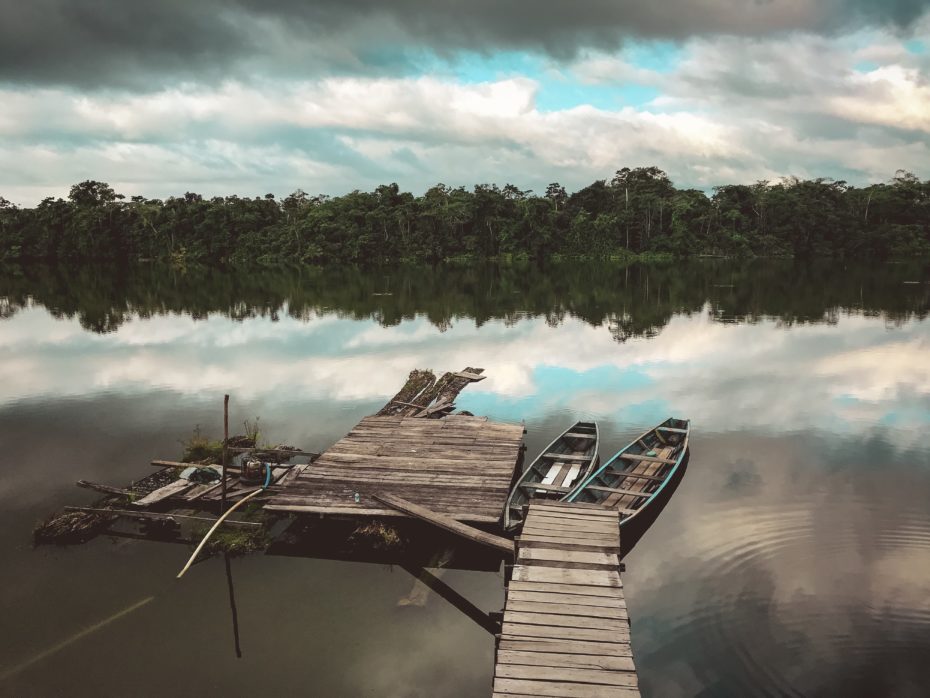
225,450
216,526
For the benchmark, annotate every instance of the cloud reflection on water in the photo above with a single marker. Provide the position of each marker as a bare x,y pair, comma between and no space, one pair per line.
786,378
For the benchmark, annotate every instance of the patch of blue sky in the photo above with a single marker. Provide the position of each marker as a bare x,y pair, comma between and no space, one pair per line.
556,90
557,95
916,46
558,390
866,66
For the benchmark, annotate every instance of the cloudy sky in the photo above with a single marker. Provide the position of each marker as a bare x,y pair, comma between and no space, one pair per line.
248,97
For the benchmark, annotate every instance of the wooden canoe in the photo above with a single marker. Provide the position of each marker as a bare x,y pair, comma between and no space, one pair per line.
632,479
562,464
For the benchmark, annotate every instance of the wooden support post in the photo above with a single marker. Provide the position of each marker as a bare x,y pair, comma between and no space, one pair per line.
225,450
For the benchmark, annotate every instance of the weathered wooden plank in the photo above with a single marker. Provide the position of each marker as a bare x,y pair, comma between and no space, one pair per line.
567,589
555,575
602,610
579,647
156,516
576,675
549,555
578,532
637,476
561,659
544,598
561,689
608,525
565,621
441,480
647,459
583,533
566,457
172,489
619,490
544,488
473,377
600,516
466,507
564,632
557,518
565,544
199,491
359,511
445,522
604,516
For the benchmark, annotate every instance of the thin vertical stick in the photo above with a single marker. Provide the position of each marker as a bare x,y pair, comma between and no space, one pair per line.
225,448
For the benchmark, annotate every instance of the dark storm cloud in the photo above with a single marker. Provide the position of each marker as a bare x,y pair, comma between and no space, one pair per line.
129,42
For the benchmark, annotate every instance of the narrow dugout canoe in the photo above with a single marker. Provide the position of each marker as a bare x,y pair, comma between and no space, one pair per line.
562,464
632,479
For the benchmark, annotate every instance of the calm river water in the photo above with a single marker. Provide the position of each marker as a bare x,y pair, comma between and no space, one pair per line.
793,559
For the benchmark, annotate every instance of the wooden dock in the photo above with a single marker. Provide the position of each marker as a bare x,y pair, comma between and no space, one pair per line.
565,630
459,466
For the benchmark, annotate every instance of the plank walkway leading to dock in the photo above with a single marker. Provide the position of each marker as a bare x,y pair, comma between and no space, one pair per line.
459,466
566,631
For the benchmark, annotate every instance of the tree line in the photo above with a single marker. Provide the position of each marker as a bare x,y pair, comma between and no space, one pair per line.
637,212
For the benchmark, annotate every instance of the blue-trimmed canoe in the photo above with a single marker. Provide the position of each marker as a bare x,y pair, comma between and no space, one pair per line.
562,465
634,477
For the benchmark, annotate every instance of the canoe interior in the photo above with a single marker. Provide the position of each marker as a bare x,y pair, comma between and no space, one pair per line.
630,479
552,477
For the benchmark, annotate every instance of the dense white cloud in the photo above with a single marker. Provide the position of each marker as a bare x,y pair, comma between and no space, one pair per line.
728,109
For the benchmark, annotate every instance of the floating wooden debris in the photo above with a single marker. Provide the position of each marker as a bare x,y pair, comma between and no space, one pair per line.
424,396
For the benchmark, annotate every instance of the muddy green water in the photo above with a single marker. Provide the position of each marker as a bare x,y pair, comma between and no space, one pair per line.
793,559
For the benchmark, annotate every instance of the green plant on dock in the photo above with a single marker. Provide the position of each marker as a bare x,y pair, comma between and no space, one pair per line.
234,541
200,449
252,430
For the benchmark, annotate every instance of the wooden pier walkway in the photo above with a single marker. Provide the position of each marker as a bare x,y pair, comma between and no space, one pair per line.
459,466
566,631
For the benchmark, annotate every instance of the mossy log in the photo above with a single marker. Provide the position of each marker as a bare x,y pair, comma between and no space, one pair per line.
417,383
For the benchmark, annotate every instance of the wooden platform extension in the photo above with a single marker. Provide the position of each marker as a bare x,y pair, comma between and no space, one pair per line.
566,631
460,466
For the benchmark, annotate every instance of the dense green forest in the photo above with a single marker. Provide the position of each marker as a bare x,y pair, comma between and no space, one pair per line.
638,212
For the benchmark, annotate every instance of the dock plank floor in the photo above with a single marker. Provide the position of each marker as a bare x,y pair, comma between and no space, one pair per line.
458,466
565,629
